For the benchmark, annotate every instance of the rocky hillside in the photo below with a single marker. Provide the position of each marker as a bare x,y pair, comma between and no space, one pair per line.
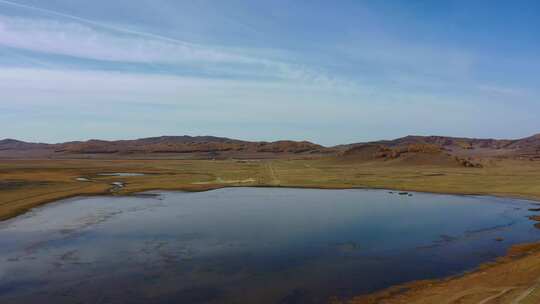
407,154
464,148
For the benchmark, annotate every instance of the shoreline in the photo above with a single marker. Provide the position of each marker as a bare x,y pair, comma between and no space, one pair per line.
397,293
514,253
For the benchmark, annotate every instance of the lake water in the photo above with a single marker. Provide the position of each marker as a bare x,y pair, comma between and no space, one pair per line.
249,245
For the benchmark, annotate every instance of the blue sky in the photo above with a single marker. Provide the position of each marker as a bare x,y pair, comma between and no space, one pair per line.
327,71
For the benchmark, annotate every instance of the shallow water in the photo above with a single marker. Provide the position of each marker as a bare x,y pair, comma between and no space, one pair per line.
248,245
124,174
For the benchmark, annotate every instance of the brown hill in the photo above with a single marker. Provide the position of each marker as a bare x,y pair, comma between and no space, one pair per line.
406,154
162,147
527,147
464,148
13,144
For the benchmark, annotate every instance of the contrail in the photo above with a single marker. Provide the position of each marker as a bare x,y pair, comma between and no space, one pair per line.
98,24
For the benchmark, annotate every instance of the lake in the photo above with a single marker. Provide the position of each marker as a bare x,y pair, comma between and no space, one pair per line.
249,245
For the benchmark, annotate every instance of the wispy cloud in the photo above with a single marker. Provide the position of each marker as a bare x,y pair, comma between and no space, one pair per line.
78,40
61,38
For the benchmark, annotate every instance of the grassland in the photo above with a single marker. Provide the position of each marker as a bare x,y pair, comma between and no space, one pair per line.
25,184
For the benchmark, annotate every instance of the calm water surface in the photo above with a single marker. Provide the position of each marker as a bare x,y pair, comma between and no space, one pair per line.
248,245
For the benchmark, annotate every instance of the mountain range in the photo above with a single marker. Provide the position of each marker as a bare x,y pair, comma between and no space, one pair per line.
211,147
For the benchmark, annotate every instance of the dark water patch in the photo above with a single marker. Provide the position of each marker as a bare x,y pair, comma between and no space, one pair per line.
297,296
192,295
17,286
249,245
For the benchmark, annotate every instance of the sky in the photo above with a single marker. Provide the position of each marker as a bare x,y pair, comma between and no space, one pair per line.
331,72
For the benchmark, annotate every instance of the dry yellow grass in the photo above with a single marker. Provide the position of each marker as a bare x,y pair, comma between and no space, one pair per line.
28,183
